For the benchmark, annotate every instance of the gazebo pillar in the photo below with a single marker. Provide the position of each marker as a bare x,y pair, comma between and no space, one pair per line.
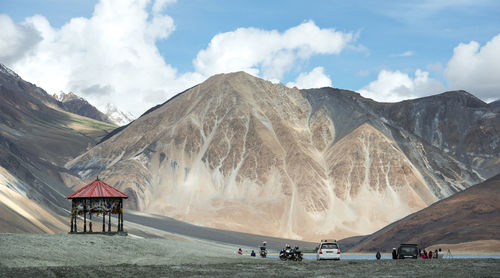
103,222
121,216
85,216
72,214
109,221
90,221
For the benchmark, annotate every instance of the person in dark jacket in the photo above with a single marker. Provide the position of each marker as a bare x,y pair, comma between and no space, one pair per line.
378,256
394,254
252,254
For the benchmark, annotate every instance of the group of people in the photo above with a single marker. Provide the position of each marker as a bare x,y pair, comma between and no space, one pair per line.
263,250
240,252
430,255
422,253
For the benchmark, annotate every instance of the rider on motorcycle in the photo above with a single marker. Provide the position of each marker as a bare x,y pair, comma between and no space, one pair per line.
263,251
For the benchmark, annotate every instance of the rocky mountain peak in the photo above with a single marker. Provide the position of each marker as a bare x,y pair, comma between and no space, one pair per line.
78,105
4,69
241,153
232,75
63,97
461,97
117,116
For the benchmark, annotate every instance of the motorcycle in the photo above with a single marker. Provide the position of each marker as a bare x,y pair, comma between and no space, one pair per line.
291,254
263,253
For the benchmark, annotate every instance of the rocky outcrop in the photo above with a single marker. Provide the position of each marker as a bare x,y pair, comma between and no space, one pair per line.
240,153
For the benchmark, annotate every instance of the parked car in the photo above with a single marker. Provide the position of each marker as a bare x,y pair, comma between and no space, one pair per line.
328,250
407,250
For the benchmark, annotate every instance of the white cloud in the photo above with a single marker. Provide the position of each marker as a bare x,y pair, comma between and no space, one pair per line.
392,86
476,69
269,54
16,40
472,68
160,5
313,79
109,57
405,54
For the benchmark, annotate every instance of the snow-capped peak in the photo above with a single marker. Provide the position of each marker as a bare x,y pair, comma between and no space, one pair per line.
117,116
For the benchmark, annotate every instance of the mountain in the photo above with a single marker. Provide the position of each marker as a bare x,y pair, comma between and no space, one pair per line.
495,105
77,105
118,117
456,122
470,216
240,153
37,136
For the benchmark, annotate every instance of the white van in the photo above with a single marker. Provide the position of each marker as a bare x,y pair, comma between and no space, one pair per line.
328,250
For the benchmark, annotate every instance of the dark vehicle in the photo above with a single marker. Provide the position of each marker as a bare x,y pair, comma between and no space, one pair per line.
407,250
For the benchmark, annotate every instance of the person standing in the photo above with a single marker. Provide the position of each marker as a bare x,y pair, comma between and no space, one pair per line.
394,254
378,256
240,252
252,254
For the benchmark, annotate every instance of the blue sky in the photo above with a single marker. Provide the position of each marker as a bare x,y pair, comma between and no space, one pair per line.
389,50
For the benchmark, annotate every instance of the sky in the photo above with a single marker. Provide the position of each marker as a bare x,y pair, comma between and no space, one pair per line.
136,54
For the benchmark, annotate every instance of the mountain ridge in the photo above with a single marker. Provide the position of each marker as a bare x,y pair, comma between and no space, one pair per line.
470,215
37,136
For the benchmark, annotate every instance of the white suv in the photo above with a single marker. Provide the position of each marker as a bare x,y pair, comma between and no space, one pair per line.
328,250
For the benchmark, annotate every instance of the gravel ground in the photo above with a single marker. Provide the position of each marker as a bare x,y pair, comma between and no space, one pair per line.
116,256
275,268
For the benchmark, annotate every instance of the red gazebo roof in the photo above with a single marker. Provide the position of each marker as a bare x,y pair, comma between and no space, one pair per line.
97,189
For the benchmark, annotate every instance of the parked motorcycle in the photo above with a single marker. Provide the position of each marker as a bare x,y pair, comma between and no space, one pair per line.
291,254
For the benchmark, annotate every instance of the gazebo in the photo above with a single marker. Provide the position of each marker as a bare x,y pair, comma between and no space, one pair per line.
97,198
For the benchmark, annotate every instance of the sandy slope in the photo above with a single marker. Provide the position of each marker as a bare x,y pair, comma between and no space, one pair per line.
24,250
